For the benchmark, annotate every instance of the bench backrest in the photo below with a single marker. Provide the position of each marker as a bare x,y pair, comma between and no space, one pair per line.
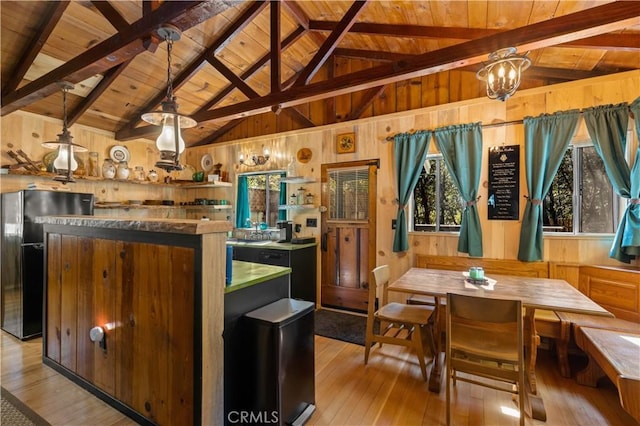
490,266
617,289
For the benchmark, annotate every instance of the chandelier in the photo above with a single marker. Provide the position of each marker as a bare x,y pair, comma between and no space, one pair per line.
65,163
257,160
170,142
502,73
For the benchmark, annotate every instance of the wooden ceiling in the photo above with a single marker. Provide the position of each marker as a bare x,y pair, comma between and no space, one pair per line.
237,59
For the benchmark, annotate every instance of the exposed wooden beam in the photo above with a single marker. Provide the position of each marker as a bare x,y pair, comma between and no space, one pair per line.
619,42
112,51
586,23
298,116
127,132
113,16
238,82
276,48
108,78
302,19
330,43
299,32
49,21
367,99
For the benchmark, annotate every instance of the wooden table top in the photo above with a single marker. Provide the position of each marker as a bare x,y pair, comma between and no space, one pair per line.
542,293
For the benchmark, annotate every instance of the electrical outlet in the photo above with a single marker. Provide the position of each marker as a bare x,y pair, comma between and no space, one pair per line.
312,222
298,227
393,223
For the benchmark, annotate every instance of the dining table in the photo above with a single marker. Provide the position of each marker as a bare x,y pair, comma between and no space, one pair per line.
535,293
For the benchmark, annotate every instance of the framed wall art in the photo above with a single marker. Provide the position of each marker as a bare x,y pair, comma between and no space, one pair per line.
345,143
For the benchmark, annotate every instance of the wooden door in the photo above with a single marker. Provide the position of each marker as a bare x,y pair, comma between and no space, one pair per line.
348,233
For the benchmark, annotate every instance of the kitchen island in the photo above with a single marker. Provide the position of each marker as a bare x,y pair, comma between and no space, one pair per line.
135,311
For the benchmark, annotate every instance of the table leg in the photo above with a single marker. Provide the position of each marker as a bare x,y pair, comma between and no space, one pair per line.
531,343
435,376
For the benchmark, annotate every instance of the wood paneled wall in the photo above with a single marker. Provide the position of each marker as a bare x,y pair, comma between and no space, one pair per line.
500,238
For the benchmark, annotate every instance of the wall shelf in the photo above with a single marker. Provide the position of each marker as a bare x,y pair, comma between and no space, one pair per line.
297,179
144,206
297,207
197,185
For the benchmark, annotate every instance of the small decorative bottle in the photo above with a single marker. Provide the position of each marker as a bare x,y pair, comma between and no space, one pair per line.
291,168
108,169
152,176
123,170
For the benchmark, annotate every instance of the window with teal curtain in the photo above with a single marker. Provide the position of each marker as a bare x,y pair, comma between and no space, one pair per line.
461,149
242,202
546,138
282,214
607,126
410,151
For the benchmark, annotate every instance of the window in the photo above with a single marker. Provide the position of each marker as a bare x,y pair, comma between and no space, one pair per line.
349,194
581,198
437,204
264,192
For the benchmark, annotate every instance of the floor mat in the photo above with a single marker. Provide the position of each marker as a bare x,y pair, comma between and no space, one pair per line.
341,326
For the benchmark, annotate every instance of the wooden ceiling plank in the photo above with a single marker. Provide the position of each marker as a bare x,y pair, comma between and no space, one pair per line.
51,17
330,43
375,55
619,42
409,31
236,81
367,99
125,132
108,78
102,57
276,48
111,14
586,23
218,133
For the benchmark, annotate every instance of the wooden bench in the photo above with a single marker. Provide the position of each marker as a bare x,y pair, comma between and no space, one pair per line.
548,324
615,354
615,288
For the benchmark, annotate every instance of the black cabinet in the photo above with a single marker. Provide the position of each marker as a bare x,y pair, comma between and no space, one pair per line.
302,262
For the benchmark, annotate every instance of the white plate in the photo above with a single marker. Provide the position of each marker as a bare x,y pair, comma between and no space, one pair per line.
119,153
206,162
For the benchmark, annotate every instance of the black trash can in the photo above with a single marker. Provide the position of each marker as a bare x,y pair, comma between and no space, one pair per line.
280,374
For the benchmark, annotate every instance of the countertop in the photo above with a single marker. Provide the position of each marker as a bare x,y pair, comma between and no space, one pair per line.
176,226
246,274
270,245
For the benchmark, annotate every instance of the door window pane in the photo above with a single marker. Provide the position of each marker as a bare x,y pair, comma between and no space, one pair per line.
349,194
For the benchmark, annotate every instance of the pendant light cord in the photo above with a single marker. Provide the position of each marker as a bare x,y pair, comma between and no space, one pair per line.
169,76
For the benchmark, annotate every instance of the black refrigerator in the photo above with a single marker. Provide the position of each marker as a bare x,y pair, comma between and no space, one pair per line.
22,254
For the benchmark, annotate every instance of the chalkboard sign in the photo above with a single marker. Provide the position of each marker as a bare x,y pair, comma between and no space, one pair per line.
504,182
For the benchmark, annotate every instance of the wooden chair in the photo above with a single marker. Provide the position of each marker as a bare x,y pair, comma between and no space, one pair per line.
485,340
400,324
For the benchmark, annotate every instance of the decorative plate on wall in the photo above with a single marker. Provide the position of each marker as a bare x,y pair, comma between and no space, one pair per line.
119,153
206,162
304,155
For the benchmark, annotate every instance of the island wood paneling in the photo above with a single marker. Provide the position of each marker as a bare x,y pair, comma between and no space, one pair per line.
143,296
53,292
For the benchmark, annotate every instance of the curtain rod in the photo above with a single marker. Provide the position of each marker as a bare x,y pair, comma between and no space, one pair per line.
504,123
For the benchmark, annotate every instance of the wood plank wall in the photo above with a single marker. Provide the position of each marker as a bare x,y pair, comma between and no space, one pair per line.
500,238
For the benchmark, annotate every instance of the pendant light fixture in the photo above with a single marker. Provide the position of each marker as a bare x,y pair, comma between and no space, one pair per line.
65,163
502,73
170,142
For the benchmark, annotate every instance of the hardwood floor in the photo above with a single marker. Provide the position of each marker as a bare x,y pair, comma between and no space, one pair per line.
388,391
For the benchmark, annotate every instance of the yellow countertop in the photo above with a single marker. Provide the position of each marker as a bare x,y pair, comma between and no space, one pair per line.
246,274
